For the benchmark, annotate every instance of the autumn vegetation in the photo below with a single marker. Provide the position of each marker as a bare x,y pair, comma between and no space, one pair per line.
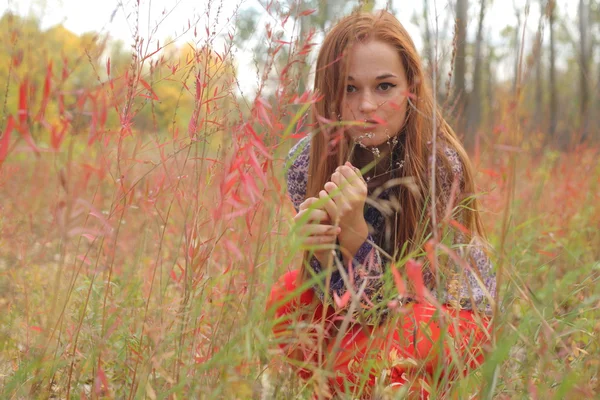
144,215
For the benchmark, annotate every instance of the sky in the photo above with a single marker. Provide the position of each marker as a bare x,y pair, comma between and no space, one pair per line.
117,18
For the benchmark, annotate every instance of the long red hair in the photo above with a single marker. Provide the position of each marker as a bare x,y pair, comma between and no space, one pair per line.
330,82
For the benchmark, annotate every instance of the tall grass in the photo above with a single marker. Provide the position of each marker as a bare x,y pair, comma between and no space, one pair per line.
136,264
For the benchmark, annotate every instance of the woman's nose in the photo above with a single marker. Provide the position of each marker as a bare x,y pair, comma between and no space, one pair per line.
367,104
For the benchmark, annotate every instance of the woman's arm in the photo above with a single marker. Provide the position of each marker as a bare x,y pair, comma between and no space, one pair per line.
471,283
316,225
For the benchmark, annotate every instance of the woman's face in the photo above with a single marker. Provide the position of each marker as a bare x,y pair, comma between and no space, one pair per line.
376,93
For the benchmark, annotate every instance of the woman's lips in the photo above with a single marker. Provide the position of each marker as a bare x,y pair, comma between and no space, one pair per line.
367,125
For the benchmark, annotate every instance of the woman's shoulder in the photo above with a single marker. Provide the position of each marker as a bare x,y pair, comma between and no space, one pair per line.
452,167
297,171
453,158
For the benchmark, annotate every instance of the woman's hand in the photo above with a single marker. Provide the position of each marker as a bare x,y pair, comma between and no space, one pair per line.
316,229
349,193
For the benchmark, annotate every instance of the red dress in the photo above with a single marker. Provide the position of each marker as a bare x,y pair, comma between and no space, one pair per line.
402,350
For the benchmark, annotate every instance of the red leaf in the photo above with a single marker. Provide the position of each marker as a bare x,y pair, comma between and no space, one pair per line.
250,187
430,252
101,382
307,12
173,276
341,302
23,103
56,137
324,120
398,281
533,392
261,108
547,253
61,104
18,57
147,86
254,162
5,139
379,120
233,249
410,95
84,259
46,92
24,131
108,66
490,172
459,226
415,276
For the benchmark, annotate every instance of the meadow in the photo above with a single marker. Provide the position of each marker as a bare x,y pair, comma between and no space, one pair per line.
140,237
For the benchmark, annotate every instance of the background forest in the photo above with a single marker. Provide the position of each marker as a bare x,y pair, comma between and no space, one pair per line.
144,216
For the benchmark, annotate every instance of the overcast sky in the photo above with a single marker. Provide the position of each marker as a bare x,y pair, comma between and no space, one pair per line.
117,18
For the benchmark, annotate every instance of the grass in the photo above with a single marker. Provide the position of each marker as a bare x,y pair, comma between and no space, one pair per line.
138,265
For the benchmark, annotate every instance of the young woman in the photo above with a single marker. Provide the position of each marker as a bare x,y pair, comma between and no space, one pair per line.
384,309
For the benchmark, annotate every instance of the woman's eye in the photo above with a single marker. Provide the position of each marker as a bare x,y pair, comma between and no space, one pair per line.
385,86
350,89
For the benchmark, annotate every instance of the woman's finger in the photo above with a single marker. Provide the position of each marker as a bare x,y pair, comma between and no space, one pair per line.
316,240
329,206
357,187
349,183
337,195
307,203
312,215
318,230
339,179
355,170
350,175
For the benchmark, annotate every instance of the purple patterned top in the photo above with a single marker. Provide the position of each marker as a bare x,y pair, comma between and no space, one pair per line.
461,288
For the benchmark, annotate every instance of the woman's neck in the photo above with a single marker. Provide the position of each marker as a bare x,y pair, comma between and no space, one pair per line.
381,158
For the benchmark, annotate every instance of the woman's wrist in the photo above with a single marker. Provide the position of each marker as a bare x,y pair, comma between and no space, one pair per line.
324,257
353,235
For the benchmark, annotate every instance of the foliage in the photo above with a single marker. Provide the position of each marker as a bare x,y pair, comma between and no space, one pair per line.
144,220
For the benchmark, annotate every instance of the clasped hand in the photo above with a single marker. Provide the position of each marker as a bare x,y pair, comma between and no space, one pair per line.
338,208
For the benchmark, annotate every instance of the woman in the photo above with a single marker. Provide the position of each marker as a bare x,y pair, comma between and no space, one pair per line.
362,186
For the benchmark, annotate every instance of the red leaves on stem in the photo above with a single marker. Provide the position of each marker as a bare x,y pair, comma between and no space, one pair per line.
5,139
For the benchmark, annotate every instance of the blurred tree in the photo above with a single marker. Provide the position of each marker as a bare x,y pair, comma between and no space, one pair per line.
84,83
435,59
551,12
476,96
596,40
190,89
585,56
50,64
538,59
490,60
460,66
427,39
305,17
516,45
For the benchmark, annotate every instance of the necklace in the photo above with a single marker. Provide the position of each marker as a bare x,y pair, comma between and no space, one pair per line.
381,165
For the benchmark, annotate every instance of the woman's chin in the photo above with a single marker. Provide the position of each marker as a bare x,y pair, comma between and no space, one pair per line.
366,141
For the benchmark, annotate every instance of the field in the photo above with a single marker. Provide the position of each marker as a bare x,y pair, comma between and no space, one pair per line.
136,260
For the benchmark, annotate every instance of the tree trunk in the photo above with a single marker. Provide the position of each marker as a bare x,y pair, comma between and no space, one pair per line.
517,42
584,57
460,63
304,69
428,40
553,95
539,93
491,121
475,99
